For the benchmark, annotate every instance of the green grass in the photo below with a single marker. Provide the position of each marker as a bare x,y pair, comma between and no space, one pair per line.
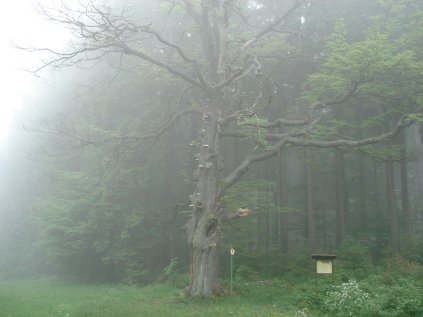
48,298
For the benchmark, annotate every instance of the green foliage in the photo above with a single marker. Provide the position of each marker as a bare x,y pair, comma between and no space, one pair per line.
170,270
402,299
245,273
112,226
97,233
417,118
173,275
252,128
347,299
241,234
354,259
368,298
255,194
383,153
398,267
330,130
376,65
270,291
254,296
413,249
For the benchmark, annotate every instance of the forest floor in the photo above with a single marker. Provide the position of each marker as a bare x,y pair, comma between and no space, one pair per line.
50,297
379,295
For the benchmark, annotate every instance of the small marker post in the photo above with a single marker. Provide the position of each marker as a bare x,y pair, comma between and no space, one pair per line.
232,256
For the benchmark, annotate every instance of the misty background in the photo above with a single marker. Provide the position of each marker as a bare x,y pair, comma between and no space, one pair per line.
82,198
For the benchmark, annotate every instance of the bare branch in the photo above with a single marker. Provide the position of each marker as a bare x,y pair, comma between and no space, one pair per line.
287,122
405,121
238,116
245,165
153,135
342,96
241,73
80,140
237,173
267,137
170,123
181,53
312,117
269,28
71,58
128,50
102,31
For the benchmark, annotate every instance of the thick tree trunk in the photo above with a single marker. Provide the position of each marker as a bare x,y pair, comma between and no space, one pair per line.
203,240
204,262
204,226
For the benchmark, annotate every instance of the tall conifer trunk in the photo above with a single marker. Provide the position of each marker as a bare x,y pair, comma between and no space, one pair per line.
363,194
405,198
311,213
282,202
341,197
392,207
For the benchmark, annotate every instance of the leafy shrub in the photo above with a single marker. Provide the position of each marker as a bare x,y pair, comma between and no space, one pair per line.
347,299
402,299
173,276
354,258
304,312
351,299
412,249
308,295
399,267
300,266
246,273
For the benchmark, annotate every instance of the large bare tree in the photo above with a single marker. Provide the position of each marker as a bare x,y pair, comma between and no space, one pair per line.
213,50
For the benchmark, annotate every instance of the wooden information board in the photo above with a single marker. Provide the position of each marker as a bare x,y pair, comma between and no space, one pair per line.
324,264
324,267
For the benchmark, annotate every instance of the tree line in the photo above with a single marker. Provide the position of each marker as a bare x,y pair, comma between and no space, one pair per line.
179,129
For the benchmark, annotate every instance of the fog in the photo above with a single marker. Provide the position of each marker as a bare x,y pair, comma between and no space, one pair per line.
135,133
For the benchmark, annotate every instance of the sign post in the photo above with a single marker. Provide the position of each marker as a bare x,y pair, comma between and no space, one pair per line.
232,256
324,265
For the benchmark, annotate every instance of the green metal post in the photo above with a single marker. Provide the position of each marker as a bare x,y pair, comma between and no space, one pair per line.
231,271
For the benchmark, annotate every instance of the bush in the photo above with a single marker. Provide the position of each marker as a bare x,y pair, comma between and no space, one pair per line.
354,258
172,275
403,299
412,249
245,273
347,299
399,267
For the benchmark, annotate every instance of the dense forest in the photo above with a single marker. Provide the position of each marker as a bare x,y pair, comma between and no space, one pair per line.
167,132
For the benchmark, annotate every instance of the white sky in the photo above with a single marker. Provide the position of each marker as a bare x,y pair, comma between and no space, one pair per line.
20,24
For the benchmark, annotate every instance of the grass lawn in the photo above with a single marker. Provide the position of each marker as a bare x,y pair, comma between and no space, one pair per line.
48,298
